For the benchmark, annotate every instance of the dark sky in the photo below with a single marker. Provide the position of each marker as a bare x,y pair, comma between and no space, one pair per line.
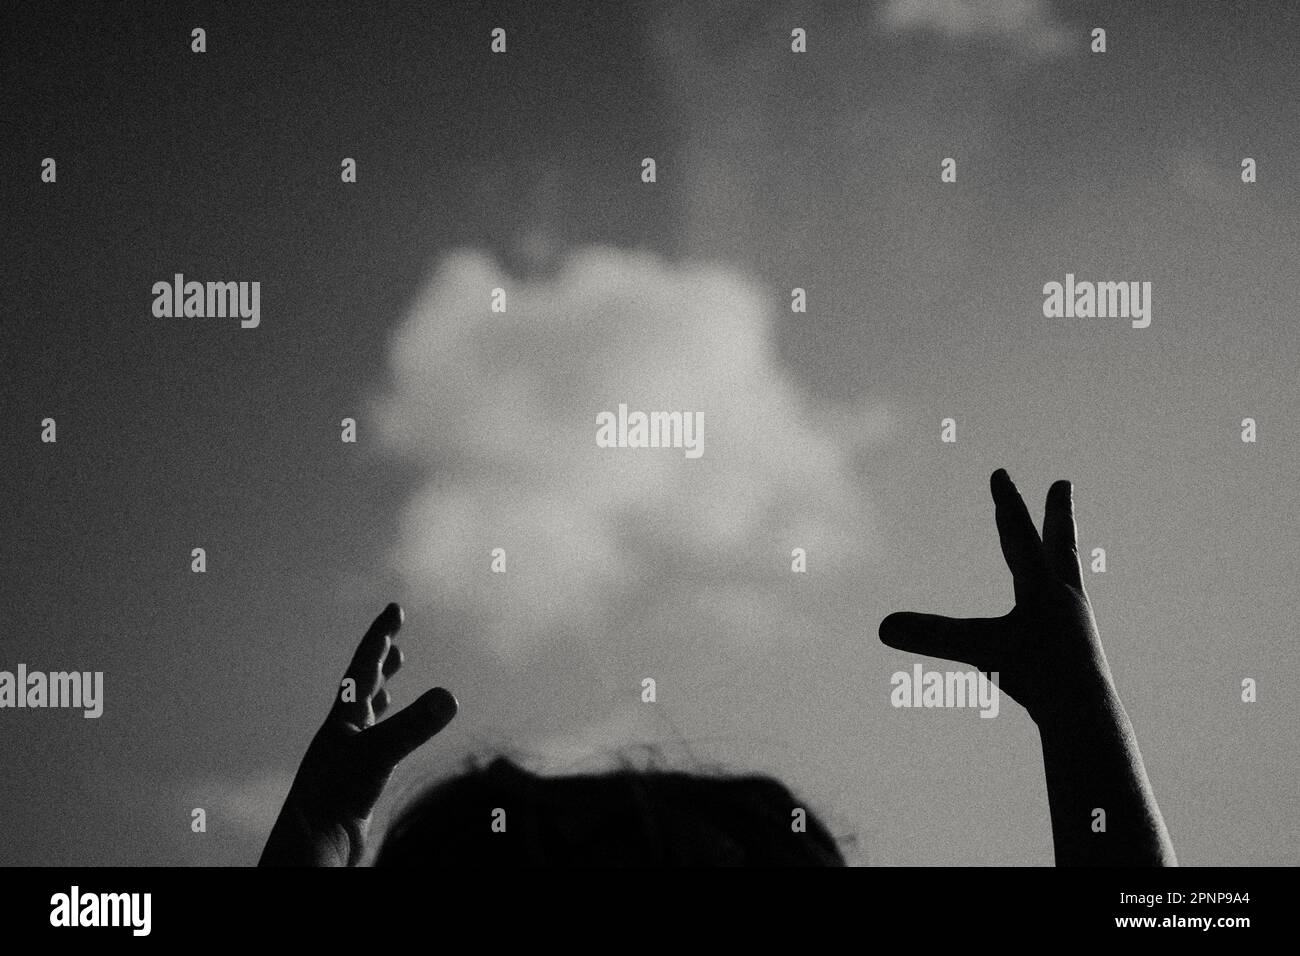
821,172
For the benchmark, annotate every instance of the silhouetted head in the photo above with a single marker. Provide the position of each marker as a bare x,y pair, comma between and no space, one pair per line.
503,815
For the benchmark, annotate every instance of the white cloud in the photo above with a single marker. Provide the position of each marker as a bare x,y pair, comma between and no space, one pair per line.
499,413
1028,25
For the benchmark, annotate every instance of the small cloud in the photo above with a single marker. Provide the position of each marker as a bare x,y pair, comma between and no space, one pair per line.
1029,26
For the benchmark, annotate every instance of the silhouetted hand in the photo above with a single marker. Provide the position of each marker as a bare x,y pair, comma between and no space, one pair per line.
327,812
1049,658
1047,649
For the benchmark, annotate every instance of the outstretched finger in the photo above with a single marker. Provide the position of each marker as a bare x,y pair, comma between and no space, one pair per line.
1021,545
364,673
970,640
1060,537
390,742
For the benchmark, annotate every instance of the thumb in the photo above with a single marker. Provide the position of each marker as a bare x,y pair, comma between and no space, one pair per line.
968,640
396,738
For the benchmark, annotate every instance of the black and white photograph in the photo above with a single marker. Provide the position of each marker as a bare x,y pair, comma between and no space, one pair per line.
665,435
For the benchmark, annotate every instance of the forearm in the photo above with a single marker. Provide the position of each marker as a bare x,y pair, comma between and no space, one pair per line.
1092,763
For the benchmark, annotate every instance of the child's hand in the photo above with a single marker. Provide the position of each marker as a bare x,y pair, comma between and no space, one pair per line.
1047,649
327,812
1049,658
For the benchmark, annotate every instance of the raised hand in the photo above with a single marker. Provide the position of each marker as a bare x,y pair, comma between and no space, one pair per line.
327,813
1046,649
1048,654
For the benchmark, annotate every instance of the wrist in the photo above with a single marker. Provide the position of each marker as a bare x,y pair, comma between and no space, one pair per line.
1092,704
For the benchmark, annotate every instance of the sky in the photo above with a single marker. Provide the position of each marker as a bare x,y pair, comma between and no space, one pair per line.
522,171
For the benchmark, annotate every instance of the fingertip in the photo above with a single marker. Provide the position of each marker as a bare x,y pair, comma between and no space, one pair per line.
891,627
1062,491
1001,486
442,706
393,614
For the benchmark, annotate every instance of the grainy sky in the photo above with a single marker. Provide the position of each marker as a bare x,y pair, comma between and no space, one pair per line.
775,170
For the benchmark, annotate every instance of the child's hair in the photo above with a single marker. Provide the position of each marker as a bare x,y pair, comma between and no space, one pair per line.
625,817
